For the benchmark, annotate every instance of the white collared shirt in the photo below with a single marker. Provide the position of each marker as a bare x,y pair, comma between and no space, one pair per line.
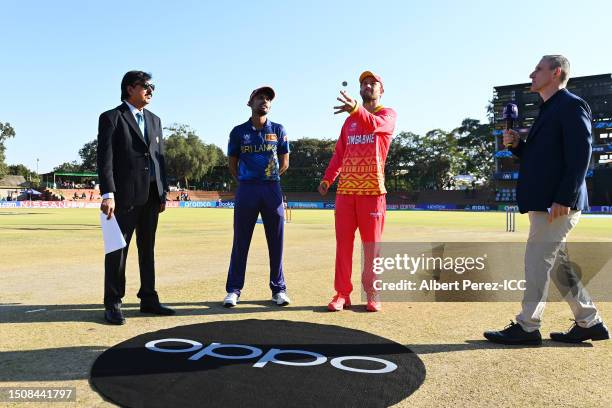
134,110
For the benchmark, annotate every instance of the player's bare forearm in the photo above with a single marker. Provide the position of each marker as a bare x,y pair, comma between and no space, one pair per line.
283,163
233,166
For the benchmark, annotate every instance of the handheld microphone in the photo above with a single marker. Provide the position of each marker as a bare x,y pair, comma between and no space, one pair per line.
509,114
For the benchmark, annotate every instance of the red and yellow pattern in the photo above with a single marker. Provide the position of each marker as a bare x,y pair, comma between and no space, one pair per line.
361,152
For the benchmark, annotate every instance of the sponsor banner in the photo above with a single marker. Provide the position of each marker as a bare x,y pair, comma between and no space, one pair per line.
436,207
197,204
10,204
59,204
514,175
478,207
225,204
96,204
305,204
292,204
600,209
505,207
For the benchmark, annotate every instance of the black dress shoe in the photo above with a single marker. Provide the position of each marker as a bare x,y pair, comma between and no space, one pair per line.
156,308
114,316
514,334
577,334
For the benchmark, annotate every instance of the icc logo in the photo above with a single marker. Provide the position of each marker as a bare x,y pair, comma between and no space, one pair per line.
246,138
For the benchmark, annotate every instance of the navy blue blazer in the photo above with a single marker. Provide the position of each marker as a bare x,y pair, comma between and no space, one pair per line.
555,157
124,157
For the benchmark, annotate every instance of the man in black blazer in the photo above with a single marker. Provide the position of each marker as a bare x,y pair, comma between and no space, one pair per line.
552,189
133,184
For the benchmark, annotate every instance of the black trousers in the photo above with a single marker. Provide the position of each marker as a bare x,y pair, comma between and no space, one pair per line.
143,219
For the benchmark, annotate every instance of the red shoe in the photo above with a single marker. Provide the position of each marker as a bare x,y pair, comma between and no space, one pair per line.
373,304
338,303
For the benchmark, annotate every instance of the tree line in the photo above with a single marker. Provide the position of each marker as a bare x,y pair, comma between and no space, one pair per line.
415,162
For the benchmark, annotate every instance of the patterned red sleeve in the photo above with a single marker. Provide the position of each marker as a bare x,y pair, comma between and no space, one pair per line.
382,121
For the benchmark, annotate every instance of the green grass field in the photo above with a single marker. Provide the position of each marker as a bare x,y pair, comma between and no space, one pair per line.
51,276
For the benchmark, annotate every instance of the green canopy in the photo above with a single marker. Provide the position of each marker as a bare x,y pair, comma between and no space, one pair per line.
77,174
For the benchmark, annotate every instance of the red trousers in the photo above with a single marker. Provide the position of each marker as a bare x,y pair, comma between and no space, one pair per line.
368,214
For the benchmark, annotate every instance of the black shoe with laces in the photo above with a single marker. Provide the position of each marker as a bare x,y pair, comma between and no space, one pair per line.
514,334
577,334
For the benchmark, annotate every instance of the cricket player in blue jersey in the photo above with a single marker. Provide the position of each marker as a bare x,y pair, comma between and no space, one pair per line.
258,153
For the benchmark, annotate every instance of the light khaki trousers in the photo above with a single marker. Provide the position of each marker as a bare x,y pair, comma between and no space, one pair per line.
546,252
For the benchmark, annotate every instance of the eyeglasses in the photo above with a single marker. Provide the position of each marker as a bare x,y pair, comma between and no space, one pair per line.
148,86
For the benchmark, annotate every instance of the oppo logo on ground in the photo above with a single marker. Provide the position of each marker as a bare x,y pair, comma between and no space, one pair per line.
271,355
257,363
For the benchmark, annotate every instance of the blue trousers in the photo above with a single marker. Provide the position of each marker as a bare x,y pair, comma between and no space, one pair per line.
253,198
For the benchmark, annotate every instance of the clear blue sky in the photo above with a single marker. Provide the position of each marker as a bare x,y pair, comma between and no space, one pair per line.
62,61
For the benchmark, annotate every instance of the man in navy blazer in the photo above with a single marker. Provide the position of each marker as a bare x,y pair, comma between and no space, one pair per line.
552,190
132,173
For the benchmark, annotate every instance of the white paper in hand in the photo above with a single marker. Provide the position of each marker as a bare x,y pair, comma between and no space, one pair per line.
113,238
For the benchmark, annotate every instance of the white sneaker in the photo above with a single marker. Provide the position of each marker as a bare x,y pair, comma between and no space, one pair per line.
231,300
281,299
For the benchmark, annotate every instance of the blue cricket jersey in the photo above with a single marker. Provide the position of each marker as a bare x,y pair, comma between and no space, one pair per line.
257,150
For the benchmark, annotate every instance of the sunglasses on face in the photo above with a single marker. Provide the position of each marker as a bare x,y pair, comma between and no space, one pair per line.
147,86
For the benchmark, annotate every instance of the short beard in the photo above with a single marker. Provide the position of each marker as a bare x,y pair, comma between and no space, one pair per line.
366,98
260,112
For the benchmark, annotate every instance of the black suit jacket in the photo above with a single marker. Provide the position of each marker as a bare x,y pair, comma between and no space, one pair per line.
124,157
555,157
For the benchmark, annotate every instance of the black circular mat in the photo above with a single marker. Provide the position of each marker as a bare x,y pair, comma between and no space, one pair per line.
257,363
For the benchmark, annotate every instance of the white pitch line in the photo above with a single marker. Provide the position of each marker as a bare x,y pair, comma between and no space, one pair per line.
35,310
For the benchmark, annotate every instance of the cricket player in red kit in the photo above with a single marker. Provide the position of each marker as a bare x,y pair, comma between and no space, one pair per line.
359,159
